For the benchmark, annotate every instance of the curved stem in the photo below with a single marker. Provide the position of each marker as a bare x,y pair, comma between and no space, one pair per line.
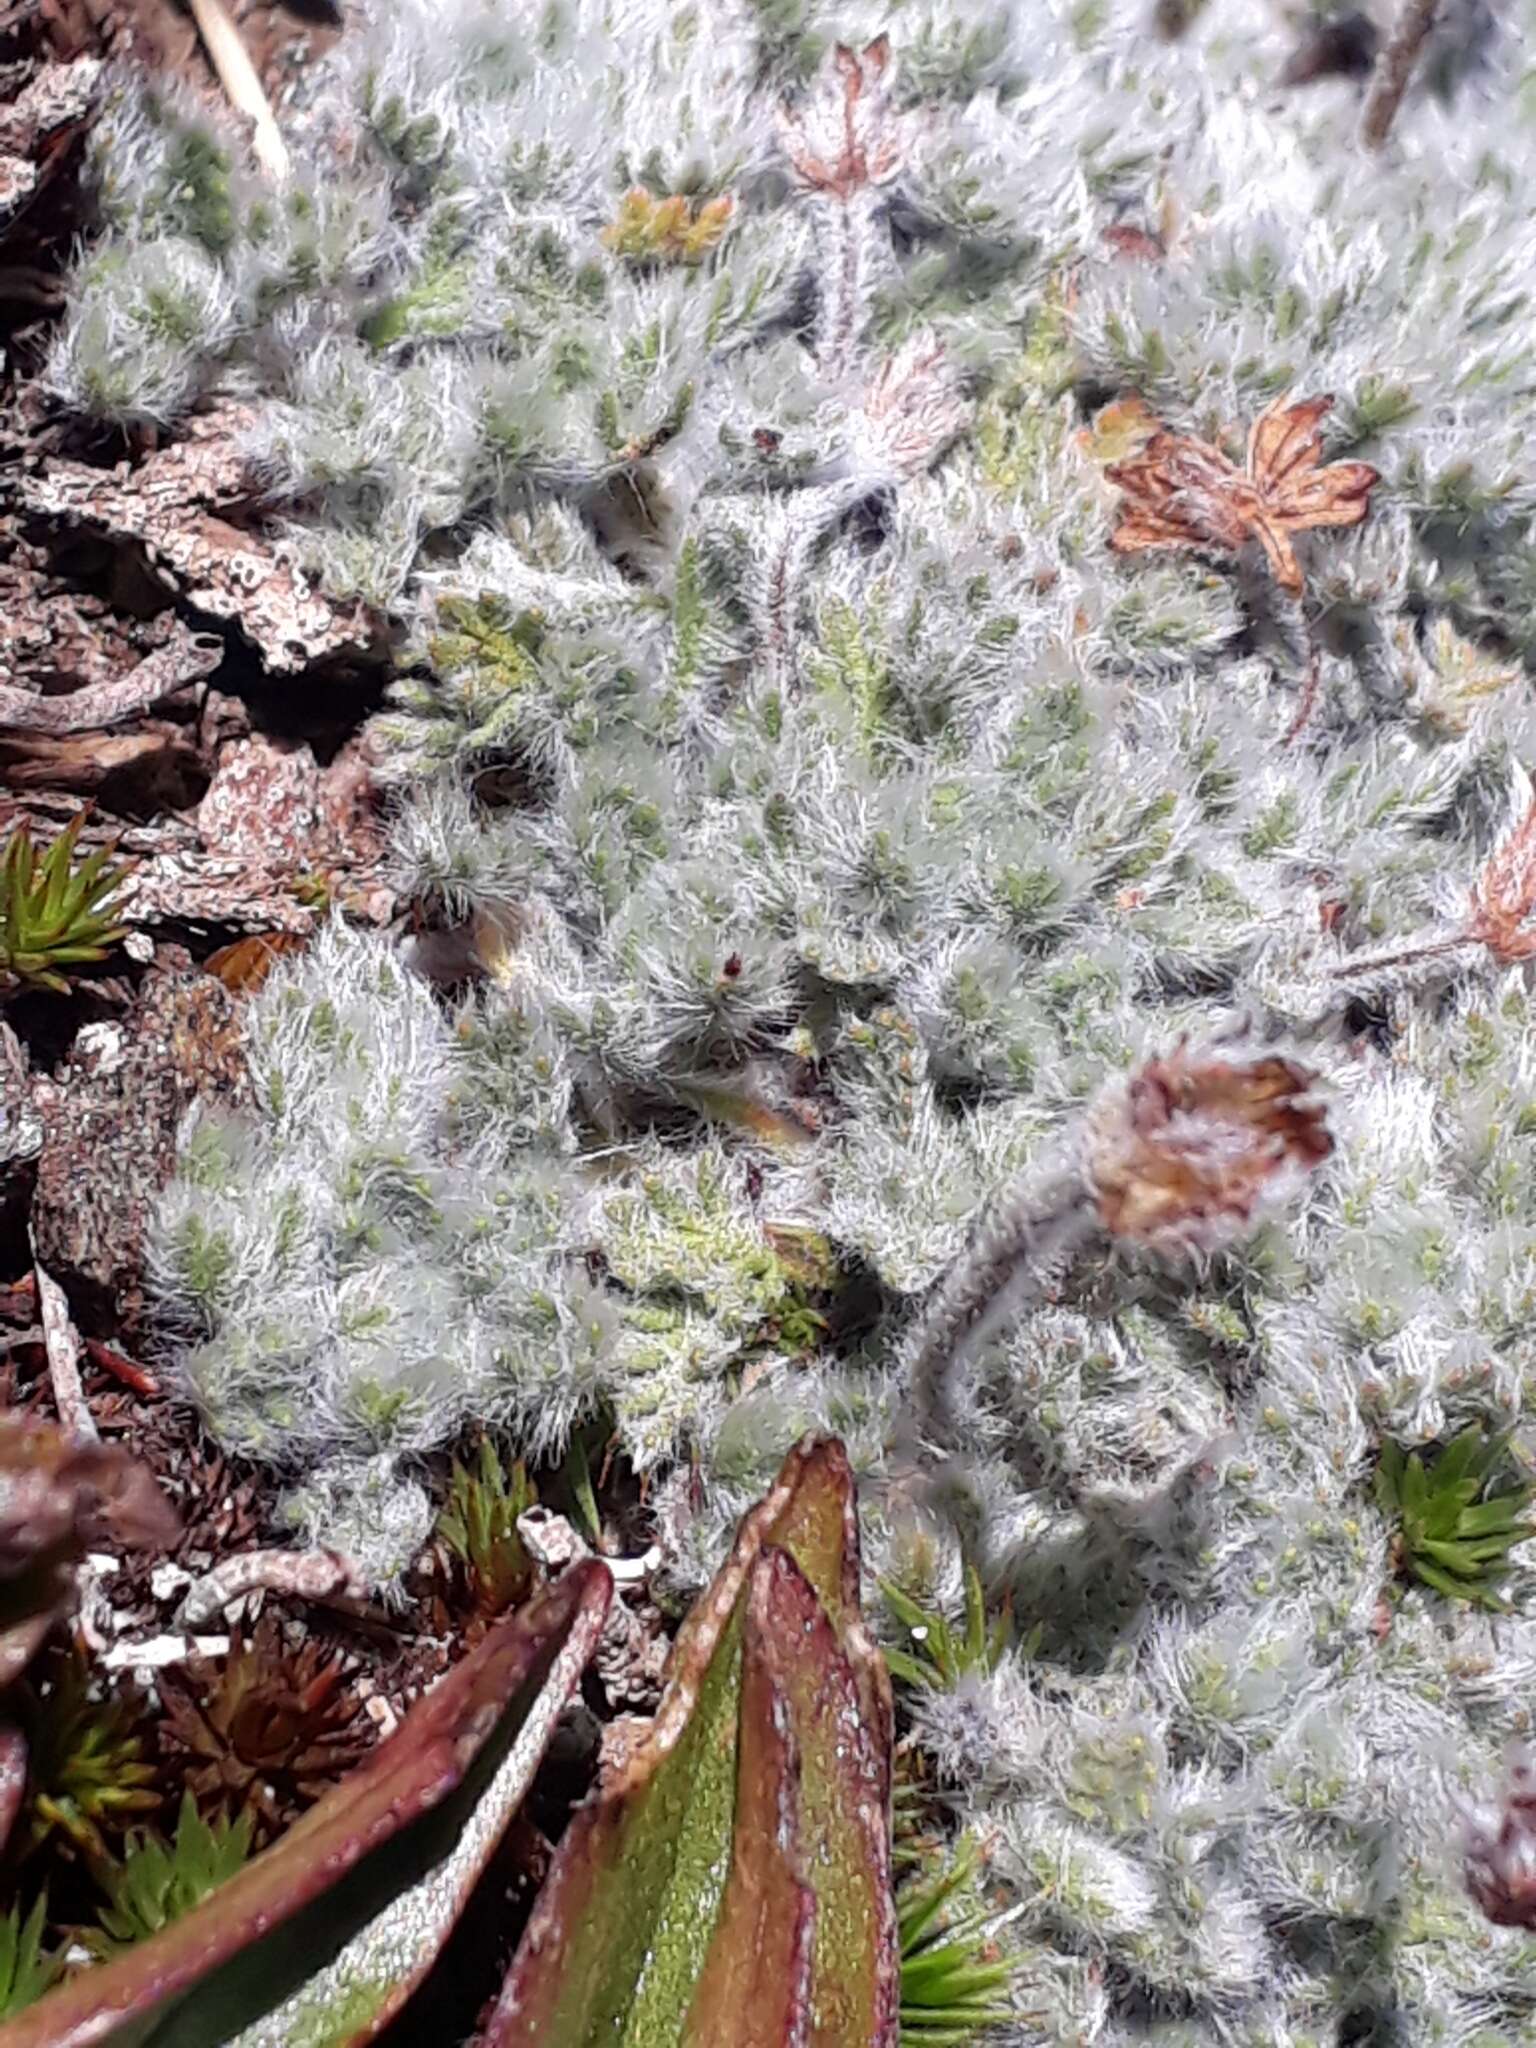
1394,68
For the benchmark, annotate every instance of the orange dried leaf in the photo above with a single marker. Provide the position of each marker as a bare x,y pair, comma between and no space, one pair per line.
245,964
1505,893
1119,430
1182,492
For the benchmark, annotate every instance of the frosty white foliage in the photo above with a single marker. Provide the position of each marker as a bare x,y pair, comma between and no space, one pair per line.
834,815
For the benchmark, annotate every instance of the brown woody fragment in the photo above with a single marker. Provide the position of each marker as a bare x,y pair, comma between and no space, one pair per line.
187,657
215,567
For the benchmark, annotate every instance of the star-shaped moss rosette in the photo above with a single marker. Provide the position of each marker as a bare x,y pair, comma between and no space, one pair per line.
1181,492
1454,1534
274,1725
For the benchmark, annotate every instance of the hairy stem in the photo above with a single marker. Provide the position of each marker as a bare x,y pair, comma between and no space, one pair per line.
1431,950
1029,1239
850,247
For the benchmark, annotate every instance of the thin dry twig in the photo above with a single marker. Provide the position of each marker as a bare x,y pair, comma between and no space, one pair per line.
62,1343
186,658
1394,68
310,1574
1306,702
237,74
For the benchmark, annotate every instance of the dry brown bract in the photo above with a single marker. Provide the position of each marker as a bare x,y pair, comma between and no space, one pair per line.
847,136
1503,895
1183,493
1184,1153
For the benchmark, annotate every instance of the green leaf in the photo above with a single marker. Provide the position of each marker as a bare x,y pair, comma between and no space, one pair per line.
52,914
952,1979
25,1972
1457,1589
158,1881
1415,1487
1493,1516
646,1916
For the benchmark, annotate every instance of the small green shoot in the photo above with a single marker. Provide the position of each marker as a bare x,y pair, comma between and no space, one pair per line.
578,1477
1454,1535
25,1972
954,1982
938,1656
478,1523
54,915
159,1880
87,1763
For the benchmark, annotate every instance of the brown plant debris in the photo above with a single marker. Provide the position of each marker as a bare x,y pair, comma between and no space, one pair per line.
52,107
1181,492
62,1341
1503,895
165,509
282,35
59,1497
121,1096
186,658
272,1725
1394,68
1192,1144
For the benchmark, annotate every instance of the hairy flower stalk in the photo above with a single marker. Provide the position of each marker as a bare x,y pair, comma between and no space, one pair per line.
916,593
1177,1161
844,144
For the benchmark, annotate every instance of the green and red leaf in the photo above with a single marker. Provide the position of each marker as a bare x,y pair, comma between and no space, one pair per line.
318,1942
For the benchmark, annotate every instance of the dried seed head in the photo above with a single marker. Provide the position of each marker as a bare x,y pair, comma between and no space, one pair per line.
1182,1154
1500,1856
846,134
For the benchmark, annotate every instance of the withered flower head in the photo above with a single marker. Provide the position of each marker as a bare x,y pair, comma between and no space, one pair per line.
1504,893
273,1725
846,135
1500,1855
1181,492
1182,1154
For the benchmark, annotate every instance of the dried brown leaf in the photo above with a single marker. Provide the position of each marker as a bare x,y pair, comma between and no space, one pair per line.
1504,893
1181,492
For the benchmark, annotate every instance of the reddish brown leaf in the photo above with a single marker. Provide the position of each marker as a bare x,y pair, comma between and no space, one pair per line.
245,965
310,1919
1182,492
627,1931
754,1991
1504,893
